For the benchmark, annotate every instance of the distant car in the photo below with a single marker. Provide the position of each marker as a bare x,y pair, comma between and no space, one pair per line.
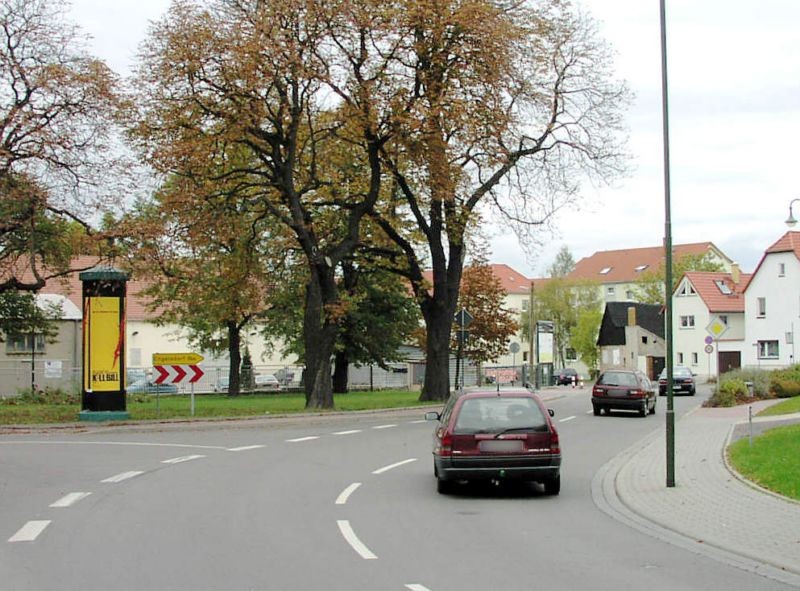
682,381
267,382
488,434
626,389
142,386
221,385
567,376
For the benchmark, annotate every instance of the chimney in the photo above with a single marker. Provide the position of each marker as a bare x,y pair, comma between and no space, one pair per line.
735,273
631,316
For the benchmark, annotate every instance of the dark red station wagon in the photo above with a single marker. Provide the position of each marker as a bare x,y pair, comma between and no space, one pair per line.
496,435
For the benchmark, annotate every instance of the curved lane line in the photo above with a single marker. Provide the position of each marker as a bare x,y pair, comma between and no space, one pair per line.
352,539
392,466
345,494
565,419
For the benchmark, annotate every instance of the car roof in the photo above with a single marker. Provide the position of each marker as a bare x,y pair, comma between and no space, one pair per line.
490,392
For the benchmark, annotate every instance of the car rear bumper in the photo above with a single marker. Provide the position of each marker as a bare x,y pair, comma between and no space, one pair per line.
540,468
623,403
677,389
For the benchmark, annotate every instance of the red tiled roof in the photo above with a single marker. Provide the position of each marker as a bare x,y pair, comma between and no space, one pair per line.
706,286
626,265
789,242
511,280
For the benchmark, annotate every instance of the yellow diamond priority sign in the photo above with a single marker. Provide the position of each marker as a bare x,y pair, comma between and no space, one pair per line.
716,328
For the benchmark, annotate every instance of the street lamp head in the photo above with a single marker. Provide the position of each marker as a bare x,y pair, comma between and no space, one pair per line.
791,221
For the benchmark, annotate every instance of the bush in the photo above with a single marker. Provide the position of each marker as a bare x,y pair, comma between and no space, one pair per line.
46,396
722,398
785,383
760,378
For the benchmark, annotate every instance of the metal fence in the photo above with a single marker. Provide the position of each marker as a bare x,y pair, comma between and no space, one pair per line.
16,376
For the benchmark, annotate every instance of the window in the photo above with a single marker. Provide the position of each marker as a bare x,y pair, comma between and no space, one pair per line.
694,358
24,344
781,269
687,289
680,358
723,287
605,270
687,321
644,340
640,268
762,307
571,354
629,295
524,304
723,318
768,350
610,291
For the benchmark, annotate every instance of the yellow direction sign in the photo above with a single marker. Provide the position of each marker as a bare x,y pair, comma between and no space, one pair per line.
176,358
716,328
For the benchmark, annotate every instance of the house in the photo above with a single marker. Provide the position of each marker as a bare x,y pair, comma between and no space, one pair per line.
772,306
632,336
618,271
708,321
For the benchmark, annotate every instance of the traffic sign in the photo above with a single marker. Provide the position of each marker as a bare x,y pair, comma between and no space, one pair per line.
716,328
177,358
174,374
464,318
709,349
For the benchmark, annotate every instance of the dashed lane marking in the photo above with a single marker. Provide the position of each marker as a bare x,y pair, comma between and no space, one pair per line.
392,466
29,532
182,459
299,439
384,427
245,448
123,476
345,494
70,499
416,587
565,419
350,432
352,539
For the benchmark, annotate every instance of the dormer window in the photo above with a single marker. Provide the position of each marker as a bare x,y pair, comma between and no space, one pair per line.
605,270
641,268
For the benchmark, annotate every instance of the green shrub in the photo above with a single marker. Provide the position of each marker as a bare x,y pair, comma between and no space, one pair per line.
784,388
760,378
45,396
722,398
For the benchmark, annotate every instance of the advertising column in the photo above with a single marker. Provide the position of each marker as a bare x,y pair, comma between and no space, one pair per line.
103,391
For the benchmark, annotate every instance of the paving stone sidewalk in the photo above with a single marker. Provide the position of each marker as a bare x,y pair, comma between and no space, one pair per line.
709,504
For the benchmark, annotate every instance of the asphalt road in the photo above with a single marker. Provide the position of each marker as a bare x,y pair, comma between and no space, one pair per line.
335,503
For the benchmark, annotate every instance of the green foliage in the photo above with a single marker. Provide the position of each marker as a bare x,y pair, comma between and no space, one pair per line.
650,287
773,461
787,407
760,378
51,396
785,383
20,316
584,336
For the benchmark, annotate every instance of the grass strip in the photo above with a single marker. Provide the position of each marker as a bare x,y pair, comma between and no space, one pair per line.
787,407
773,461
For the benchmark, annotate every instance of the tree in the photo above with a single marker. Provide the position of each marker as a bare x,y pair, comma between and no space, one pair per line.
493,106
649,289
584,336
56,121
563,264
482,294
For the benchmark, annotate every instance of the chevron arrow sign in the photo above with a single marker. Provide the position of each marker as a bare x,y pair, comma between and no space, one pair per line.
174,374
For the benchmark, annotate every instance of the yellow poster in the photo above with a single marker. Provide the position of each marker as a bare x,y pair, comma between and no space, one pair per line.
103,344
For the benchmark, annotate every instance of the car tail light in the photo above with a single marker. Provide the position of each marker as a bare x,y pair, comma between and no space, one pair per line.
636,393
555,446
598,392
445,444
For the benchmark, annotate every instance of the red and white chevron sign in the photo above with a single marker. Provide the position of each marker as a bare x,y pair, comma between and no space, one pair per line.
174,374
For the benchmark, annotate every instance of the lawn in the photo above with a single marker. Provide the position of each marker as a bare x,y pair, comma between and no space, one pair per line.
207,406
773,461
788,406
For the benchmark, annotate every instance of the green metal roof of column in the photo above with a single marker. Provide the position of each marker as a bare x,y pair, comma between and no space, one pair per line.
103,274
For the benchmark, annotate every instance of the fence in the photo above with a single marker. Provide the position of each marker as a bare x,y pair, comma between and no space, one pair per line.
16,376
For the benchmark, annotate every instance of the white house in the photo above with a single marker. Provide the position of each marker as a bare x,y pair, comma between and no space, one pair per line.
708,321
772,306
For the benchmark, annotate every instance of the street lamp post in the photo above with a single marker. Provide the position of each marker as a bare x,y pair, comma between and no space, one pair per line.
790,221
670,425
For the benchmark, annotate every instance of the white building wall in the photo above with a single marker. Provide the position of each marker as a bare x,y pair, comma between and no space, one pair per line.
781,293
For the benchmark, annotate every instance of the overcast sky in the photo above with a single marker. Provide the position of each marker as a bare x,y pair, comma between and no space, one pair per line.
734,80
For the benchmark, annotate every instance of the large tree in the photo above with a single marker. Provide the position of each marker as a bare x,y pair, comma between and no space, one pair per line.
57,107
493,106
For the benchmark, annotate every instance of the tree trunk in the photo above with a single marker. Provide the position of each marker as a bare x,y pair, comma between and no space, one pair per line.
234,342
319,336
341,365
438,321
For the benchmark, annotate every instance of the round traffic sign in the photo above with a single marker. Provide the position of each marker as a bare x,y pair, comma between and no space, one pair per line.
709,348
709,339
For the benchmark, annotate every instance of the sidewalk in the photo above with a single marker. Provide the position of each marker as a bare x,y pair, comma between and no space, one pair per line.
710,511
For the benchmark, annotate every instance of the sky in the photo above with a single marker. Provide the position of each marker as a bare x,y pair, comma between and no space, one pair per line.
734,116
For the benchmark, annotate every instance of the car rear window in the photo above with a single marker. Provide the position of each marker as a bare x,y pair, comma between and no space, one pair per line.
499,414
618,378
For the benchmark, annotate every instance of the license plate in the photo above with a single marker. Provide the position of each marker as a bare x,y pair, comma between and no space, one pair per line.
501,446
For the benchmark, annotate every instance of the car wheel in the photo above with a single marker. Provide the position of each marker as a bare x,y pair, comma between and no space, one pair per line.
653,408
443,487
693,392
596,410
644,410
552,486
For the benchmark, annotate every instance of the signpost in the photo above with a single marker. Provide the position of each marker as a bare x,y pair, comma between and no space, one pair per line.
463,319
173,368
715,329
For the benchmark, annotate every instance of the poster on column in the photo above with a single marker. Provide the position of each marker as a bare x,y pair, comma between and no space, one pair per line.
103,345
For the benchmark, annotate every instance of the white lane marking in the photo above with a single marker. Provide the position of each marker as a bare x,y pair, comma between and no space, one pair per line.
345,494
351,432
123,476
132,443
352,539
565,419
29,532
299,439
384,426
245,447
392,466
416,587
182,459
417,422
588,412
70,499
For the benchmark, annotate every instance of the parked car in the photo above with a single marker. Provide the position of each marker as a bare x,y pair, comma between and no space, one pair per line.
626,389
491,434
221,385
143,386
567,376
267,382
682,381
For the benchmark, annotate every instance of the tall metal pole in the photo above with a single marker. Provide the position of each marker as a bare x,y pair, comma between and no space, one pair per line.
668,251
